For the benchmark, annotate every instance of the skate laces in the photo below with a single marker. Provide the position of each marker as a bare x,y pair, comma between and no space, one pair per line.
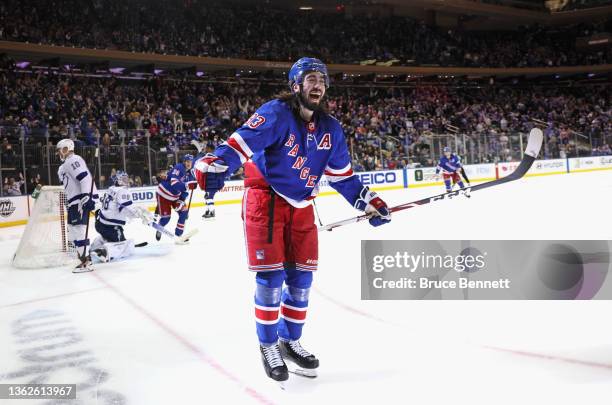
273,356
297,347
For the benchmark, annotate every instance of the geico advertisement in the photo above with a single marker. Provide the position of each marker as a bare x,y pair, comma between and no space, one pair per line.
373,179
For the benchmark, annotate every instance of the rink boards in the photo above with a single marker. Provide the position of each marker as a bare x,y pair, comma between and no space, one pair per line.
15,210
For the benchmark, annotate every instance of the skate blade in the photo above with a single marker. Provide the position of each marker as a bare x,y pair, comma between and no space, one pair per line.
302,372
82,270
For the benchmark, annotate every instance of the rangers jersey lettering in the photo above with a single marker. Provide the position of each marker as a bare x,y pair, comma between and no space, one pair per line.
293,155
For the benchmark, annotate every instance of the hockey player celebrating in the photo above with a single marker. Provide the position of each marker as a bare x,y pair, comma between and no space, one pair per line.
450,166
172,193
291,142
117,208
80,199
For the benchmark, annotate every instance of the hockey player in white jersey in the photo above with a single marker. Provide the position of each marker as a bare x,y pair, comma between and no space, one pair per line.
117,209
80,199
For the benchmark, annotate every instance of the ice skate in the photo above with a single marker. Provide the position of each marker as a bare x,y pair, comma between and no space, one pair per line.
300,361
208,214
273,363
83,267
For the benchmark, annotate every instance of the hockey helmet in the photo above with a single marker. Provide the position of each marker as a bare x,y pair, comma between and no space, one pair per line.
64,143
122,179
302,67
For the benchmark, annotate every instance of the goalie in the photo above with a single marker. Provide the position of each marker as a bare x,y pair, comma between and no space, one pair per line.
116,210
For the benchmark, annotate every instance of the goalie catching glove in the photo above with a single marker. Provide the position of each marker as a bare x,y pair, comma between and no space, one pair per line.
371,203
210,172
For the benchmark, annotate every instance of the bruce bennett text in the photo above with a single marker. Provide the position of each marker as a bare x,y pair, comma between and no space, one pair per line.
425,283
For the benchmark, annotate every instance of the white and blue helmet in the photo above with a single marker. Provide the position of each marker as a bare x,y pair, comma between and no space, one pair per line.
122,179
303,66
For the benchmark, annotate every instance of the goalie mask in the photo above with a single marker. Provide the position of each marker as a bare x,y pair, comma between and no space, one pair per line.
122,179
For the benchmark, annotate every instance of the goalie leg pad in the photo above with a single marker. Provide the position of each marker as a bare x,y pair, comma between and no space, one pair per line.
118,250
97,243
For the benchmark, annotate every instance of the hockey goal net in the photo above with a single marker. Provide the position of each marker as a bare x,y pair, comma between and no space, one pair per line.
45,241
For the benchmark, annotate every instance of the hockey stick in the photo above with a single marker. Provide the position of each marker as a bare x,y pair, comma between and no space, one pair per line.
534,145
314,204
93,181
189,205
179,240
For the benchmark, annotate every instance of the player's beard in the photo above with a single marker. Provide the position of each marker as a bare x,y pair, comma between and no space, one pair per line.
306,103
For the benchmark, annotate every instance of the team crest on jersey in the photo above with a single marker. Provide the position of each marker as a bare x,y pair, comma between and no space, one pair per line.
260,254
255,121
325,142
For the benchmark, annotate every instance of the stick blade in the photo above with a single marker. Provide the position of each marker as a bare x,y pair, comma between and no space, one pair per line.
534,142
186,236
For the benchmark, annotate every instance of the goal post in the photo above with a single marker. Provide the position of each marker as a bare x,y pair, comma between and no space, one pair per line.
45,241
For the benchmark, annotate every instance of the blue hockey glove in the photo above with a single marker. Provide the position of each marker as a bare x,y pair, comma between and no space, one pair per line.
371,203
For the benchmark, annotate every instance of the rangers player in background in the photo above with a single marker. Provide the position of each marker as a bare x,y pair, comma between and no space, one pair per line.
117,209
172,193
450,166
290,142
80,199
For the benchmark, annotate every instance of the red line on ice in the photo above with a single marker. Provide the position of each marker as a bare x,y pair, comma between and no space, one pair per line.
192,347
499,349
51,297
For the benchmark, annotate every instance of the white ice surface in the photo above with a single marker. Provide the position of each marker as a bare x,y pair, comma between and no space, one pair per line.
174,325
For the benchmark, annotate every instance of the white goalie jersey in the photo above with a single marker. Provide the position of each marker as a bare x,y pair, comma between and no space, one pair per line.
76,179
117,207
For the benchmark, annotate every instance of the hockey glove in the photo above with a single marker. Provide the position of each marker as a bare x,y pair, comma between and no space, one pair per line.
180,205
371,203
143,214
86,204
210,172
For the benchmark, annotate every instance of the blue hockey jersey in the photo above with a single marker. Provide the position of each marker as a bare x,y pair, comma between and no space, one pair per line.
449,165
291,154
174,187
